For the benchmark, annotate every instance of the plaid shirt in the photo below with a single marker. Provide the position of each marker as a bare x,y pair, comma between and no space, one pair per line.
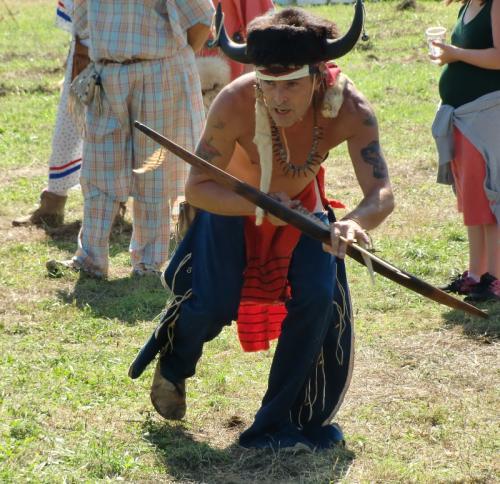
131,29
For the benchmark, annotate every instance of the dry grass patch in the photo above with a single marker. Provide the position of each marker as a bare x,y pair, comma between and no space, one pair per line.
420,396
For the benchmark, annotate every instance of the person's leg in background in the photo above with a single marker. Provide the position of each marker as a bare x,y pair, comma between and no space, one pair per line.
477,250
484,250
492,239
149,243
163,87
64,163
105,177
469,172
482,226
92,255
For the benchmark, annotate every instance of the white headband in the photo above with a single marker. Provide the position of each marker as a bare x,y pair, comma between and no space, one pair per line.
266,74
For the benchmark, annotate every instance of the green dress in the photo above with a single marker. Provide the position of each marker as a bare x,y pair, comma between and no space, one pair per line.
460,82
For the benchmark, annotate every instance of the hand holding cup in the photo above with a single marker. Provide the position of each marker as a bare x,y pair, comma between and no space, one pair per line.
435,34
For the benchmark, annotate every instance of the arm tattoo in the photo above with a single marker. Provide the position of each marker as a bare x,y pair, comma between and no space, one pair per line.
219,125
206,151
372,155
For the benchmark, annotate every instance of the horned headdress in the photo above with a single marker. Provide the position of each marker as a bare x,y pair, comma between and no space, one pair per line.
285,45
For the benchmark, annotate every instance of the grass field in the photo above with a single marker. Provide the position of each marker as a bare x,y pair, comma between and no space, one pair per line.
423,403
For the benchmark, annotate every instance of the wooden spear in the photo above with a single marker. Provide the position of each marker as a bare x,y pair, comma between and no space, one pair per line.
311,226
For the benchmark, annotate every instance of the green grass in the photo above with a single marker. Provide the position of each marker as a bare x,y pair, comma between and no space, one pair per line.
423,403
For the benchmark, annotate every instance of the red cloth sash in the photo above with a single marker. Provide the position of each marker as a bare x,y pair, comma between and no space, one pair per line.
269,249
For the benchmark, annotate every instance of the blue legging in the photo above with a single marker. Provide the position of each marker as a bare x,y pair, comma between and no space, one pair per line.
311,364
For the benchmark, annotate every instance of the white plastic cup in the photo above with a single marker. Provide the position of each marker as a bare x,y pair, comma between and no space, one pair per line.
435,33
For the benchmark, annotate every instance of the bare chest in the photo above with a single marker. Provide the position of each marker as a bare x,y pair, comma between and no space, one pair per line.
292,173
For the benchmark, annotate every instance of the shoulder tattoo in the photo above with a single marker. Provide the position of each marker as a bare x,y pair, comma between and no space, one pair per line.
370,120
372,155
206,151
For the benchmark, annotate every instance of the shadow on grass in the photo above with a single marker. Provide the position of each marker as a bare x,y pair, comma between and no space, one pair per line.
187,459
128,299
486,330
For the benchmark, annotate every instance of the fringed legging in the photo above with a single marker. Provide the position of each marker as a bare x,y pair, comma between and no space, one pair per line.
312,363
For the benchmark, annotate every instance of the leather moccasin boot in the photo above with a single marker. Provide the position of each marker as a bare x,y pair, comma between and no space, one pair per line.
169,399
50,212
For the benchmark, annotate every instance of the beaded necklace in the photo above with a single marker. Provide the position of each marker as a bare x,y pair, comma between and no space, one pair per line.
282,152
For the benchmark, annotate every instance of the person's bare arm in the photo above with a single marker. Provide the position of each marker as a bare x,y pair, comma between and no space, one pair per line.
216,146
371,172
197,36
484,58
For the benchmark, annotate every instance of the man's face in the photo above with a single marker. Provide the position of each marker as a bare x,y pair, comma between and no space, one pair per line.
287,101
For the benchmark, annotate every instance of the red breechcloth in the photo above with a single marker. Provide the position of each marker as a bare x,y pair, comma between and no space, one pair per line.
269,250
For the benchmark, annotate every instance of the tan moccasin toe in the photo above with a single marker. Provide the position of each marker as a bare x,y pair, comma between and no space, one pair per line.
169,399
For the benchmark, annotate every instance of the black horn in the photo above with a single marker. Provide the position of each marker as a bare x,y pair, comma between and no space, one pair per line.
339,47
236,52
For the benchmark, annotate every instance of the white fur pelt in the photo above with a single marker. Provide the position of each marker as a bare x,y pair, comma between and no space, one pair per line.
214,73
264,143
334,97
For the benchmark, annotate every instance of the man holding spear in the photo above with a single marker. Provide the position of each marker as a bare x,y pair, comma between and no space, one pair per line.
239,263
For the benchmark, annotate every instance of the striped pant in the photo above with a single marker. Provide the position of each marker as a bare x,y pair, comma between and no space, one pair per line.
149,242
165,95
67,144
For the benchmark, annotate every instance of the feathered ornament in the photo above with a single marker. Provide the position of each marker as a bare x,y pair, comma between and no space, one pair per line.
152,162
